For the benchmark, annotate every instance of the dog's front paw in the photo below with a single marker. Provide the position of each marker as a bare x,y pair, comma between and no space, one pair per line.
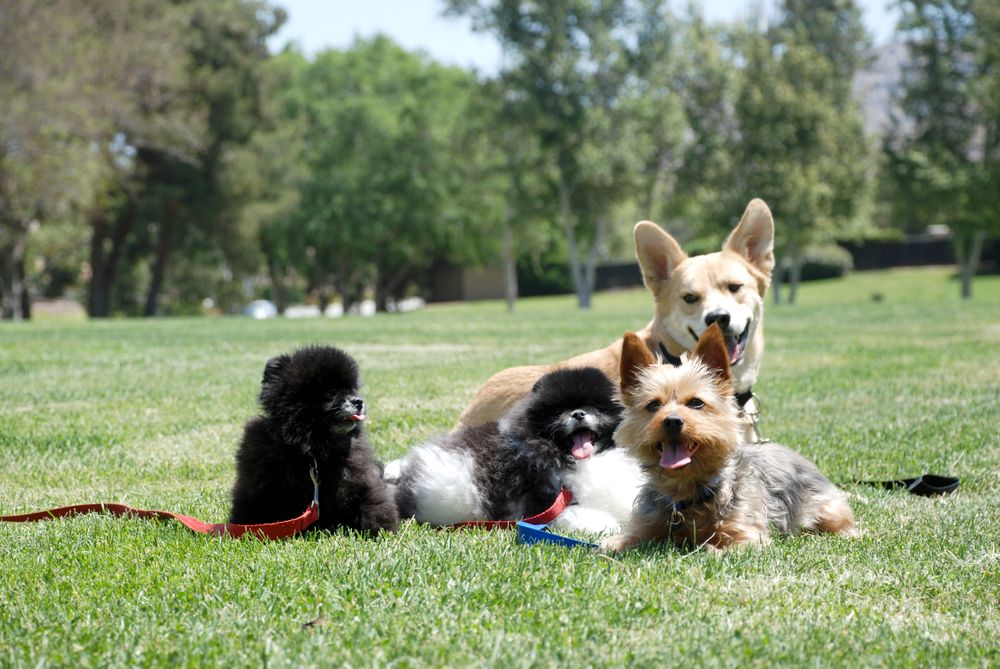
618,542
582,519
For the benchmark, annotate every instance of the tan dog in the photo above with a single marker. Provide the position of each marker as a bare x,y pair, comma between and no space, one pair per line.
727,288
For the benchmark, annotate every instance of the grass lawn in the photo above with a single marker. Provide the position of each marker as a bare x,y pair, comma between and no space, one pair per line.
148,413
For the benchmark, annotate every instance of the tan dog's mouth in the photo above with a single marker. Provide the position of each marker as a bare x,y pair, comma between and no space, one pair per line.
676,454
735,344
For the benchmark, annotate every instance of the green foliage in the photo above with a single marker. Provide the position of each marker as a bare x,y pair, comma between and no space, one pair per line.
826,261
946,167
703,196
589,81
48,168
177,89
802,144
378,202
178,160
149,413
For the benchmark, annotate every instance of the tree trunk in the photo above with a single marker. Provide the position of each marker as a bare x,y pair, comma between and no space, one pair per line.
163,247
277,285
323,294
595,255
22,279
576,270
386,287
794,274
968,251
347,295
509,264
104,266
97,291
13,297
776,277
350,287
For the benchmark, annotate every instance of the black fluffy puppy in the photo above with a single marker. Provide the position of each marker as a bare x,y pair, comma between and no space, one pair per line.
560,435
311,414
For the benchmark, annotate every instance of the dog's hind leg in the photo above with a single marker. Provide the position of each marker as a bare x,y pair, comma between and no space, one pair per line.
438,486
393,470
834,515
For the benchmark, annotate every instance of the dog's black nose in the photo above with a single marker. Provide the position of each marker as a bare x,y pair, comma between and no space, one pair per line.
358,404
718,316
673,424
579,414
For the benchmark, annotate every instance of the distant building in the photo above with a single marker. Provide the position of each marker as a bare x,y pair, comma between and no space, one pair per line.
453,284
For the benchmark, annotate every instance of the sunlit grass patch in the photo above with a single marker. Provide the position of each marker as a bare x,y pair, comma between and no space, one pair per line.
149,413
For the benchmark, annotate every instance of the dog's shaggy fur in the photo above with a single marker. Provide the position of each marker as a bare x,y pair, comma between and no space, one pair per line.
559,435
706,486
312,416
690,293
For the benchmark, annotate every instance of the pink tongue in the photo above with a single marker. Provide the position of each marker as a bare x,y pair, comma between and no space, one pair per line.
358,416
736,353
674,456
583,445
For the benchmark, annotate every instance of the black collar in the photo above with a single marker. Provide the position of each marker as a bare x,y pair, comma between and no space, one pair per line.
744,397
668,358
705,493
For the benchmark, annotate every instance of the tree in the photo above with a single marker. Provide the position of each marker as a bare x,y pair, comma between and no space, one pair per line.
152,119
570,72
800,141
226,44
50,101
269,173
705,176
386,170
505,170
944,163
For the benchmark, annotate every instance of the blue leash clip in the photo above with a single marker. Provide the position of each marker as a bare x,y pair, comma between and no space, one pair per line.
529,533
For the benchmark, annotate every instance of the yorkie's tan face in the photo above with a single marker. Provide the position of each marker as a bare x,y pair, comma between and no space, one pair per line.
681,422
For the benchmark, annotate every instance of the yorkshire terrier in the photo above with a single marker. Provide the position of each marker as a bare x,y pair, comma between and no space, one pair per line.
706,486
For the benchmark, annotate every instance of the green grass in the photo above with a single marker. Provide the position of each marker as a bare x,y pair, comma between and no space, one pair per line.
149,412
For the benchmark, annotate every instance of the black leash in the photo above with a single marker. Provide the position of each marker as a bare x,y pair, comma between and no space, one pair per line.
925,485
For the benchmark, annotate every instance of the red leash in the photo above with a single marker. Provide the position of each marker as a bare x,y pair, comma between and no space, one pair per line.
279,530
544,518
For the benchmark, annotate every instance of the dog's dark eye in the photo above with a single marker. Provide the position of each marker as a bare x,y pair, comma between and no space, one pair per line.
690,298
735,287
654,405
694,403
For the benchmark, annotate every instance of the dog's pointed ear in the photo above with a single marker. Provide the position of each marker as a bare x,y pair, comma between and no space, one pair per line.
658,253
273,369
712,351
753,238
635,357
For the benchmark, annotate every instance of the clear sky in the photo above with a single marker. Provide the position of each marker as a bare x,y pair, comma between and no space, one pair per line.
419,24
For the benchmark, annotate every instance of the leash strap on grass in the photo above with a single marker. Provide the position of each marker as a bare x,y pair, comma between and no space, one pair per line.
563,500
279,530
925,485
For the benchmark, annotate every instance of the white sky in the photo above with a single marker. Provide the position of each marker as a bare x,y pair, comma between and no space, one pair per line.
419,24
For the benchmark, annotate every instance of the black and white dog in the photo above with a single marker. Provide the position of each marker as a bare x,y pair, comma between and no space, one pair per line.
559,435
